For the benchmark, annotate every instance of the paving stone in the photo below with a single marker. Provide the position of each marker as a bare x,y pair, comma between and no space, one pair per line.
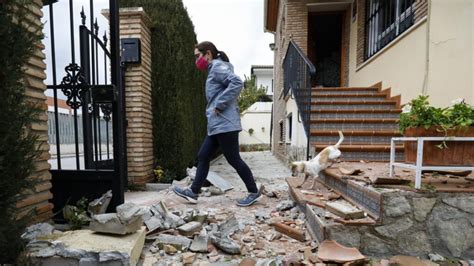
84,247
190,228
99,205
110,223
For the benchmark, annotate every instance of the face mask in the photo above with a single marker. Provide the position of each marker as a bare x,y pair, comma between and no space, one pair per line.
201,63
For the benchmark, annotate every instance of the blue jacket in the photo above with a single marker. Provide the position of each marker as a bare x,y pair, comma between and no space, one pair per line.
223,87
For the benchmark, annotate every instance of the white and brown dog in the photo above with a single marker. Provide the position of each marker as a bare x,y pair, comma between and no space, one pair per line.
323,160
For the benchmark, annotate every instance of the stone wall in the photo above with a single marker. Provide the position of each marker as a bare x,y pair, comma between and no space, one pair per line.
134,23
37,199
417,224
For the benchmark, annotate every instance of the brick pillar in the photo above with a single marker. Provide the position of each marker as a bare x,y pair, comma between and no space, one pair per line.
134,23
37,199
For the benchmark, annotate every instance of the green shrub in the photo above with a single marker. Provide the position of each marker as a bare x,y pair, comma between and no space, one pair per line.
178,99
251,94
17,143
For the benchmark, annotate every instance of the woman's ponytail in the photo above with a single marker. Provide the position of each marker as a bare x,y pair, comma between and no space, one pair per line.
222,56
203,47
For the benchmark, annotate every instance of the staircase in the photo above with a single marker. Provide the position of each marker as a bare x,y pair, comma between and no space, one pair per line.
367,116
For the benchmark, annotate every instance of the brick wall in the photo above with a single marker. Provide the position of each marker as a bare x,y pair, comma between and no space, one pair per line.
37,199
134,23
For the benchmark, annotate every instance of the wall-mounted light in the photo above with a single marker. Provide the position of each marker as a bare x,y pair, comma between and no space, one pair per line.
272,46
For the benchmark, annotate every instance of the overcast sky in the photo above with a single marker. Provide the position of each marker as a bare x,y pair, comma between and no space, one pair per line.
234,26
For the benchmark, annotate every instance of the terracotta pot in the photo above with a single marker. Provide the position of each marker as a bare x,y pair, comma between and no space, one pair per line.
458,153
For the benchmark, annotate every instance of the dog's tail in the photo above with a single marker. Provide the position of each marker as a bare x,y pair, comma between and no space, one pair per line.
341,139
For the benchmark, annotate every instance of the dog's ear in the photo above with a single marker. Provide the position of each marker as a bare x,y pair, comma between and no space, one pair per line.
323,156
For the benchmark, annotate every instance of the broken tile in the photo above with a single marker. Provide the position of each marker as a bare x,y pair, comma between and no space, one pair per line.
331,251
225,244
289,231
285,205
179,242
200,242
190,228
154,223
248,262
188,258
229,226
344,209
169,249
218,181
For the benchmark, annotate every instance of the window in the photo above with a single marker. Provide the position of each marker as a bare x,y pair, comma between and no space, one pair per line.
290,126
281,131
385,20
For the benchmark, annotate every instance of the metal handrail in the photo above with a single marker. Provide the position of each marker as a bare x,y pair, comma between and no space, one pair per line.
298,75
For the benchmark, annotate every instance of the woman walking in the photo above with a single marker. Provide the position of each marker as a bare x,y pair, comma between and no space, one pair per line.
223,87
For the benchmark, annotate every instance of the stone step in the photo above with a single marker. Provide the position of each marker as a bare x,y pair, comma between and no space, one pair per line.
362,148
355,124
353,105
331,140
343,96
339,90
350,133
364,98
372,153
356,114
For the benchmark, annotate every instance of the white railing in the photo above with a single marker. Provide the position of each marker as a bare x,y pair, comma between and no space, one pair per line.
418,166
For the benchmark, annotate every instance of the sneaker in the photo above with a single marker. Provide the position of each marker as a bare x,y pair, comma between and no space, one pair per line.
250,199
186,193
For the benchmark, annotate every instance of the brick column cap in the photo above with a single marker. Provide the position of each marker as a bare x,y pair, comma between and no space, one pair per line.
131,11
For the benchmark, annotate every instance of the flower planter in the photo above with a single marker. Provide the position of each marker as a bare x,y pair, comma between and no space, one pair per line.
458,153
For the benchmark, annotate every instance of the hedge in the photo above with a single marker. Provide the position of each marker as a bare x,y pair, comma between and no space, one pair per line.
17,144
178,98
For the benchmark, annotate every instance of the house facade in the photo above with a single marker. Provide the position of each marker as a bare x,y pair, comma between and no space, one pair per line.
398,48
263,77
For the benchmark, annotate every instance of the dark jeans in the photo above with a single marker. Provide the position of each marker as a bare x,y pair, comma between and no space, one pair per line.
229,144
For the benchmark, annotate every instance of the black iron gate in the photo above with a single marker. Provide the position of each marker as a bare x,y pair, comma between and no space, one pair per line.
90,92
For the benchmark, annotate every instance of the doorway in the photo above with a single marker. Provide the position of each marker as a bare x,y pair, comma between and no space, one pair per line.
325,47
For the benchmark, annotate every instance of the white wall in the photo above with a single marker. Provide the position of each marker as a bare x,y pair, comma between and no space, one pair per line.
264,77
451,51
400,65
403,65
257,117
297,143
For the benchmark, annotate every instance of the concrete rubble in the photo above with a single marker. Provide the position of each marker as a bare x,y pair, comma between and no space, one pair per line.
128,219
100,205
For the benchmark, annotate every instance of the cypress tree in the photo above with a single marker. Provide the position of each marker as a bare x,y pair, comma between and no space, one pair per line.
18,149
178,97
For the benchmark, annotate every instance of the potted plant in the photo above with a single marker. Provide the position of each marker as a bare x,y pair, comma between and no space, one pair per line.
419,119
